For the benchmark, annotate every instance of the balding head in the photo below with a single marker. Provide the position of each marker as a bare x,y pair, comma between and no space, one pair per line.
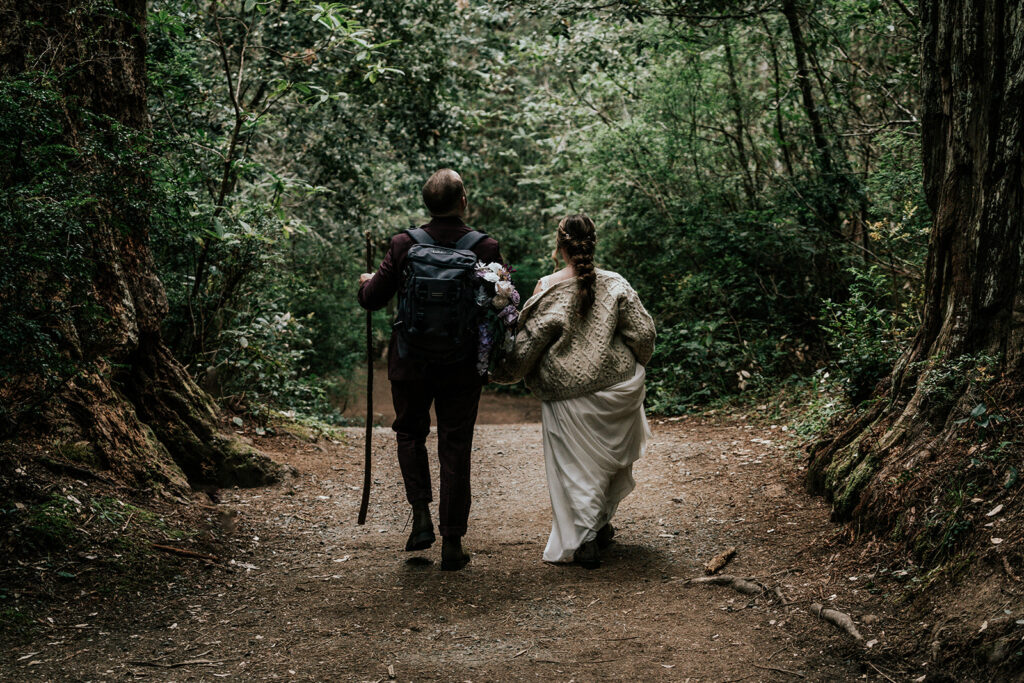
444,193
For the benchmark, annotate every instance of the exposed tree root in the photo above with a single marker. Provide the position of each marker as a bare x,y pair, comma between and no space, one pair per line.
783,600
840,620
745,586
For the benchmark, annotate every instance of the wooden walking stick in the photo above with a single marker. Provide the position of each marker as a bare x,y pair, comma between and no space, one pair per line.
369,392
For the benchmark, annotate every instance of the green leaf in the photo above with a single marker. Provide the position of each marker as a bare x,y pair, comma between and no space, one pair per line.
1011,478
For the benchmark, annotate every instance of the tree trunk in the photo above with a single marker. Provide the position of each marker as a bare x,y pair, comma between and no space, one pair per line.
141,414
803,81
973,137
736,104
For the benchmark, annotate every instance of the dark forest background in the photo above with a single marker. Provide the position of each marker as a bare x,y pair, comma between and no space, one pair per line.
757,177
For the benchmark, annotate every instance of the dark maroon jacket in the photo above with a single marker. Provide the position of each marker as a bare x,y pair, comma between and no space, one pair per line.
375,293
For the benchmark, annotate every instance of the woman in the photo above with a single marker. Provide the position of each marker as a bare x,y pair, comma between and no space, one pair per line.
582,344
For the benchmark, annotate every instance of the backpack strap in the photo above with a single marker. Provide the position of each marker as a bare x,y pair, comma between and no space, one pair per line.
420,236
470,239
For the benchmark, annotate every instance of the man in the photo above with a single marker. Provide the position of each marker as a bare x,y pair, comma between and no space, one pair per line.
454,388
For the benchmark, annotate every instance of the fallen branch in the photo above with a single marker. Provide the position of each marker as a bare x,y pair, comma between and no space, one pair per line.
838,619
183,551
175,665
719,560
737,584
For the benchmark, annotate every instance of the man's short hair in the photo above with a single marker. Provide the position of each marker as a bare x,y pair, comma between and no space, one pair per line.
443,192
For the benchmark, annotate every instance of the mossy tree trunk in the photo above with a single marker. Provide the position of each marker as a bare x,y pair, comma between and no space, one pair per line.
137,408
972,331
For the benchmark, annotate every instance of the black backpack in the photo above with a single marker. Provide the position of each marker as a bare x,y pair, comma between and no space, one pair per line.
437,310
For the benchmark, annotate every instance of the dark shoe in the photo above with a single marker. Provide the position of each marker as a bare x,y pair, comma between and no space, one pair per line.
588,555
453,557
605,535
422,535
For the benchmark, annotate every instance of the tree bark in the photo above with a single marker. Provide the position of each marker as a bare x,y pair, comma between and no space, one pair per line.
143,416
973,139
803,80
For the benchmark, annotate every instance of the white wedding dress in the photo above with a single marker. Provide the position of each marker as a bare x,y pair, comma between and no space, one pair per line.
590,445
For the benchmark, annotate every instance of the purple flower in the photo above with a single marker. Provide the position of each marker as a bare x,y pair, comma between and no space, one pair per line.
483,355
514,297
509,315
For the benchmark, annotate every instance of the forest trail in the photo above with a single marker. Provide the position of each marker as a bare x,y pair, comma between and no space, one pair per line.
309,595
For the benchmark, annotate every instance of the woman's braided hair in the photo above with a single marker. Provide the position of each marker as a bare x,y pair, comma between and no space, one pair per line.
577,238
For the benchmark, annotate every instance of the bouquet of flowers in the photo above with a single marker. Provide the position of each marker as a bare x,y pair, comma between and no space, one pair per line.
497,297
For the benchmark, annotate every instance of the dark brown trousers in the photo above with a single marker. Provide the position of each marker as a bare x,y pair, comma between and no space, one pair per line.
456,406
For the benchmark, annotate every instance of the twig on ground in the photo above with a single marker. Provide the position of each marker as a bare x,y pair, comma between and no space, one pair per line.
720,560
840,620
175,665
784,671
589,661
1009,572
184,551
882,673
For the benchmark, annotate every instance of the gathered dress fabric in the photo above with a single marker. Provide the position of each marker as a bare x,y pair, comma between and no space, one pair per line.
590,377
590,445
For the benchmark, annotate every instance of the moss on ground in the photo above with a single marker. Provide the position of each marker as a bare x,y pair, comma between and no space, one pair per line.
245,466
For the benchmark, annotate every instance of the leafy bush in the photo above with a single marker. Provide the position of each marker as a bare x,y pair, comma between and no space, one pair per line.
735,298
865,332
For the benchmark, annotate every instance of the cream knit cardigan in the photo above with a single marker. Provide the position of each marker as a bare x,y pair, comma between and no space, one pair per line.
563,355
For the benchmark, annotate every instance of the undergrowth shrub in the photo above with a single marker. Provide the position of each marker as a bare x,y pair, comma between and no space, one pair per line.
735,298
865,332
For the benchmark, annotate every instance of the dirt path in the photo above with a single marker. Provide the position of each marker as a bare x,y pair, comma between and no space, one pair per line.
495,408
311,596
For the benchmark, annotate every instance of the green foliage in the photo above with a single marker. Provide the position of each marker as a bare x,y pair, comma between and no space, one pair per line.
822,399
703,182
866,334
52,191
283,131
270,146
945,379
